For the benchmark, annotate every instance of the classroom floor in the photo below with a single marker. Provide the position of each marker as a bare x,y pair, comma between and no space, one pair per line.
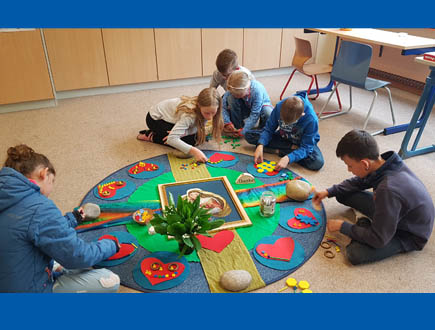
88,138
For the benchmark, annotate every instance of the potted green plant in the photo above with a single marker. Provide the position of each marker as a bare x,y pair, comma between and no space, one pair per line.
183,222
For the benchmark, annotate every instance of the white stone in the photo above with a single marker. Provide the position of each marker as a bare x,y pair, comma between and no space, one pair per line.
245,178
91,210
235,280
298,190
151,230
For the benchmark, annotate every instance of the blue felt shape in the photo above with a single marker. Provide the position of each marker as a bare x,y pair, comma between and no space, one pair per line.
224,163
288,212
306,219
297,257
120,193
165,257
147,174
252,170
123,237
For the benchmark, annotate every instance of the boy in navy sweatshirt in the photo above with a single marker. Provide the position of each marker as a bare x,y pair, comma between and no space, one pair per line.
293,129
399,212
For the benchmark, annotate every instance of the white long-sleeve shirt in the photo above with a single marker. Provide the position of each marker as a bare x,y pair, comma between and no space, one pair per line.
184,123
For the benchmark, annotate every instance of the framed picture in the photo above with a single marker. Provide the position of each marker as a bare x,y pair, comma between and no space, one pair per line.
216,195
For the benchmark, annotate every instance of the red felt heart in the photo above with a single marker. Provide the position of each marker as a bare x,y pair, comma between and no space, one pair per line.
296,224
108,190
219,157
282,249
163,273
125,250
218,242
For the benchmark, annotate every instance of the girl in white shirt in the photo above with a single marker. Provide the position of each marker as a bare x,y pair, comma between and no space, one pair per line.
180,122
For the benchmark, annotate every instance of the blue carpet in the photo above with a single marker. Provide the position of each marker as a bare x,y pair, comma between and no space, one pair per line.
196,281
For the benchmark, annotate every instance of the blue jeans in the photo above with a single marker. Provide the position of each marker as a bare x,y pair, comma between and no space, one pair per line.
86,280
361,253
239,111
314,161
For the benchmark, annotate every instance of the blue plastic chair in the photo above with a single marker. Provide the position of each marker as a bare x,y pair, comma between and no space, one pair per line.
351,68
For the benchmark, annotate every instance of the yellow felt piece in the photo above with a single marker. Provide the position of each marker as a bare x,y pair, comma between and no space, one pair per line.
234,256
187,169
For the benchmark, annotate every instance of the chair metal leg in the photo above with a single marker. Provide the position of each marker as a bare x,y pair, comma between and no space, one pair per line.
311,85
327,101
370,110
339,113
390,99
288,81
338,99
317,88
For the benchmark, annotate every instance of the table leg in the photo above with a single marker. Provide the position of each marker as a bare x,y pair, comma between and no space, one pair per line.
424,107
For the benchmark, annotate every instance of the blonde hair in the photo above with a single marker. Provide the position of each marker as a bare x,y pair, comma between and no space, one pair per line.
238,81
292,109
192,105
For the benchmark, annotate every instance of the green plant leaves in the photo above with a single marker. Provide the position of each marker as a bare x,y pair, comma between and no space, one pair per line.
184,221
196,243
177,228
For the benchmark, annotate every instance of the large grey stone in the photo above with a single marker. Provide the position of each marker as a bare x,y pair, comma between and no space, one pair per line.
91,210
235,280
298,190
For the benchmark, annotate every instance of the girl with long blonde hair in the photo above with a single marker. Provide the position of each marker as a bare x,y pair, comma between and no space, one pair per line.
181,122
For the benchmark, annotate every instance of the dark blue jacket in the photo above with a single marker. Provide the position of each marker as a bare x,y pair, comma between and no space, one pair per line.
33,232
304,133
403,206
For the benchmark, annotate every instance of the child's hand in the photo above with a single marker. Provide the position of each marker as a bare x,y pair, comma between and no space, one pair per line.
165,139
283,162
198,155
334,225
258,155
318,196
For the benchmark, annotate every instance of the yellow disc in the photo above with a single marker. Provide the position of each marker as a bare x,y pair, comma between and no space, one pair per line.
307,291
291,282
303,285
272,163
260,170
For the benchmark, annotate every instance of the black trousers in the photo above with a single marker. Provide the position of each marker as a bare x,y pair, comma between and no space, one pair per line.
161,128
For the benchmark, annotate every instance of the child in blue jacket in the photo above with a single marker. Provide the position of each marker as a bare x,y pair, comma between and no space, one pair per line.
293,129
33,233
245,104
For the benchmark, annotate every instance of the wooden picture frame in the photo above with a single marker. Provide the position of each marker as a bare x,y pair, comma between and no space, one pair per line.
220,186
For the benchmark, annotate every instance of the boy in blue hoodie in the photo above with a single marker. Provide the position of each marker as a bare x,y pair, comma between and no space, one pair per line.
399,213
33,233
293,129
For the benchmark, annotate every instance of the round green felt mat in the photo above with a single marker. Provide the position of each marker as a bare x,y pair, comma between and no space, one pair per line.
260,228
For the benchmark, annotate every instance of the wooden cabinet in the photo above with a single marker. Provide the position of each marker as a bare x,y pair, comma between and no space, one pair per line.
216,40
77,58
178,53
130,55
262,48
288,45
23,68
